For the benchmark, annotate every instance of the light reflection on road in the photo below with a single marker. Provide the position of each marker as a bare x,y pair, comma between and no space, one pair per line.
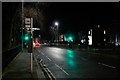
71,59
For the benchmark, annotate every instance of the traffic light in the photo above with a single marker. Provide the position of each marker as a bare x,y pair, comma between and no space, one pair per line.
27,37
28,40
70,39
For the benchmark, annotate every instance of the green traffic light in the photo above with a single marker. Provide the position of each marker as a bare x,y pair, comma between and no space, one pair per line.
26,37
70,39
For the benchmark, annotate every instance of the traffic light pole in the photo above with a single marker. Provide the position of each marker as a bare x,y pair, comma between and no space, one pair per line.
30,29
31,58
22,23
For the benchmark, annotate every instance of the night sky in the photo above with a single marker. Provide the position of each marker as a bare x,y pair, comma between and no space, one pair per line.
72,16
76,16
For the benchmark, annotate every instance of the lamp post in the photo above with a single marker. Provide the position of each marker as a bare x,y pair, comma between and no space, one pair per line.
56,24
22,21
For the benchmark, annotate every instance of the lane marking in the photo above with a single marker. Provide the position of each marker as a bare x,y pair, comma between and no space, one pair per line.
106,65
61,69
42,53
56,51
48,58
41,60
37,56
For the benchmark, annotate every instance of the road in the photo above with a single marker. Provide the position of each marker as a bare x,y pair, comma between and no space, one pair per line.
64,63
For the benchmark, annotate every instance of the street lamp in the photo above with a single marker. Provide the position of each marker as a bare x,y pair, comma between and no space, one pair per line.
56,24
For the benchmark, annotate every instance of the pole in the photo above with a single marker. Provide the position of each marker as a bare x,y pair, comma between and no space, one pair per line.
57,35
22,24
31,58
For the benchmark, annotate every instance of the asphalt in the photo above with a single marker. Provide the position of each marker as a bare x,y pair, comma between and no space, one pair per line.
19,69
64,63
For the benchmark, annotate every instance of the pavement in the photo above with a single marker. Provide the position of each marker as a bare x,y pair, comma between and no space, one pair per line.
19,69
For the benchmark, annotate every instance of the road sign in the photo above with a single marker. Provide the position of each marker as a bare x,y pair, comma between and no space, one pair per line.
28,24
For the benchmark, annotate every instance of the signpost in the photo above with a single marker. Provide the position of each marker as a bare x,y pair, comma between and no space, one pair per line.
29,29
29,26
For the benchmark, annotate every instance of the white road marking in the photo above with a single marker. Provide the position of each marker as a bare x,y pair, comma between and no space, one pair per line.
42,53
106,65
56,51
48,58
41,60
49,72
37,56
61,69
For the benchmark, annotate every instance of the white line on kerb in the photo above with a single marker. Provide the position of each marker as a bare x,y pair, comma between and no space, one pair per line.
51,73
61,69
48,58
106,65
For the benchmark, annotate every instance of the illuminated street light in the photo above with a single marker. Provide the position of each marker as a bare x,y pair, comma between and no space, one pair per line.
56,24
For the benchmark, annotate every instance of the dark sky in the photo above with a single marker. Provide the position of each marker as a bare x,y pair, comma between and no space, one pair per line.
72,16
78,15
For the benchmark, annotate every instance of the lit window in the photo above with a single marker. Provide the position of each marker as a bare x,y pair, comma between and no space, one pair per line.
104,32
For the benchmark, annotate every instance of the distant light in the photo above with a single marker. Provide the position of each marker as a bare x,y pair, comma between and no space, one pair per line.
27,37
89,32
104,39
65,38
116,44
82,40
39,35
104,32
61,36
12,39
56,23
98,26
90,40
70,38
